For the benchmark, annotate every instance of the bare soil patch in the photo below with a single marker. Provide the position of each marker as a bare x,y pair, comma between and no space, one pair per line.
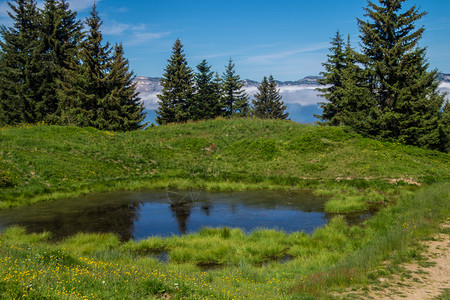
421,281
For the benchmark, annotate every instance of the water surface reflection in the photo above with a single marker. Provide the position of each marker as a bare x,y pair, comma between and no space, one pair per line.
140,214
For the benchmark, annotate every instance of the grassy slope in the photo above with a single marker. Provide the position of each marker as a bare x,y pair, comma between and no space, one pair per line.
44,162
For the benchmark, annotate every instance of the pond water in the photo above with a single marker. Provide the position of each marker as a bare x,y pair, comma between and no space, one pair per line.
140,214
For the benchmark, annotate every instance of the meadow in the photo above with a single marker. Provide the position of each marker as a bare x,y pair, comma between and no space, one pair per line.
47,163
42,162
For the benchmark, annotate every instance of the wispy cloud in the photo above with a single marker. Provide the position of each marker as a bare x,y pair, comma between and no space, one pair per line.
122,9
4,7
80,5
281,55
115,28
4,17
135,34
445,87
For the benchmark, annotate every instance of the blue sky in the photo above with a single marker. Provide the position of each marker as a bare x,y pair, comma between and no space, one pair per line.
287,38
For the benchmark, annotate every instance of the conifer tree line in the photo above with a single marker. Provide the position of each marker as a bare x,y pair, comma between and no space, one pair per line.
203,94
386,90
57,69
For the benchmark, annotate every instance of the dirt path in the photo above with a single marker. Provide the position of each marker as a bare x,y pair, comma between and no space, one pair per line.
421,281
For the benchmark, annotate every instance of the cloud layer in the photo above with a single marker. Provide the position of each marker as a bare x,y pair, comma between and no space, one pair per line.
300,95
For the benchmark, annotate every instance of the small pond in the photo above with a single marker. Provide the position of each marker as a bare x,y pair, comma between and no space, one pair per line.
140,214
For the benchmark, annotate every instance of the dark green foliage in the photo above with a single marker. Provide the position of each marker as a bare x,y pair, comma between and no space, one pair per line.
234,99
206,102
405,92
178,90
268,104
83,96
60,34
50,71
20,66
386,91
123,108
349,99
334,93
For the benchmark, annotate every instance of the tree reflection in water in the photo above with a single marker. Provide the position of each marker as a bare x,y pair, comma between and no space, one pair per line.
181,205
140,214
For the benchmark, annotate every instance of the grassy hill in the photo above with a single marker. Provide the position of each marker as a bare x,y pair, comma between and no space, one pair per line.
40,162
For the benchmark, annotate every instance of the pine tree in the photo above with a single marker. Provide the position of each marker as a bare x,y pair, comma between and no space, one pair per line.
206,101
60,34
332,110
234,98
123,108
177,89
261,102
267,103
405,92
20,65
85,90
358,109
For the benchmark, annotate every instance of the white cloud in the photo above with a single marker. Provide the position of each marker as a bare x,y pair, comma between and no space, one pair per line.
140,37
445,87
79,5
273,57
292,95
115,28
4,17
304,96
150,100
135,34
4,8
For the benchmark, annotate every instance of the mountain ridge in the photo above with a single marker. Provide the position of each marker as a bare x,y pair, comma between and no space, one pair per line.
153,84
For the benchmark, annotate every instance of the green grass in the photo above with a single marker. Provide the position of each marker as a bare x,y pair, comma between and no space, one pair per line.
244,265
40,162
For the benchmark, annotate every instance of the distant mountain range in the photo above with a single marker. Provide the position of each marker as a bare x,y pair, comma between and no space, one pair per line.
300,97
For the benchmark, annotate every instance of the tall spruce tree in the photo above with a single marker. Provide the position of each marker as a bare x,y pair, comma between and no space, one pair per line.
21,69
357,108
85,91
60,33
332,110
123,108
234,99
267,103
206,101
177,89
404,90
